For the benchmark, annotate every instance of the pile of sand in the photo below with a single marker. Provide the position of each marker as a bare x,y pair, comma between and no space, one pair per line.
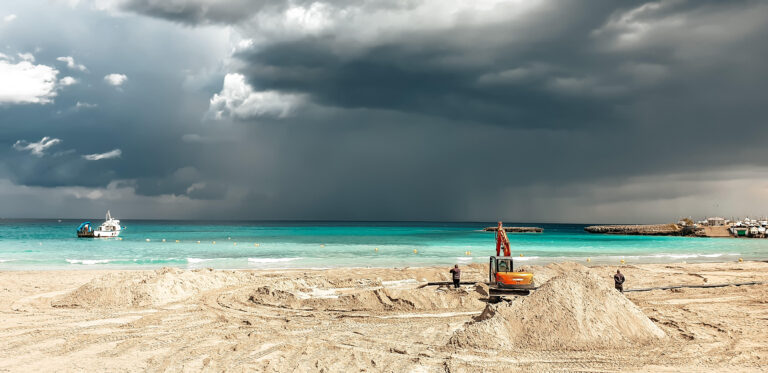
144,289
381,299
574,310
542,274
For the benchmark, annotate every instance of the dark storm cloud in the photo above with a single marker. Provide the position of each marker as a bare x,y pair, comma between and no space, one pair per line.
595,92
197,11
226,12
432,110
564,68
640,88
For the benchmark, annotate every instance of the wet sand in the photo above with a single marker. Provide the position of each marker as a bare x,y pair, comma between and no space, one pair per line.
352,320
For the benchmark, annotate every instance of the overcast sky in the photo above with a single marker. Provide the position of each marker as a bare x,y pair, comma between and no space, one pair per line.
530,110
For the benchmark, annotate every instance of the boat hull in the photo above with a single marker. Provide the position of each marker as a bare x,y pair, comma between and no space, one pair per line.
105,234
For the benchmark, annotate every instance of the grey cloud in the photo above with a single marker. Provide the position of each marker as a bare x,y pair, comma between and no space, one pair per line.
186,181
583,85
207,191
197,11
590,111
204,12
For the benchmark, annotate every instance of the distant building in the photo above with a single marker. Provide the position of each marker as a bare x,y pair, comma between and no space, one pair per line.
715,222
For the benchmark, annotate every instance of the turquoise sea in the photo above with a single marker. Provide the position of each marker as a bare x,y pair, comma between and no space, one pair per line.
52,244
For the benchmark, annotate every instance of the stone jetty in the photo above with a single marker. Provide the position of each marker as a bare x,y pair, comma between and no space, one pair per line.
644,230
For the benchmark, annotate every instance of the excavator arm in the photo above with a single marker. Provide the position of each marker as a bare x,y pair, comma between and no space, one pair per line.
502,241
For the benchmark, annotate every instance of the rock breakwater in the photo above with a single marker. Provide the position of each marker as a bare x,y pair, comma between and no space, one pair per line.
645,230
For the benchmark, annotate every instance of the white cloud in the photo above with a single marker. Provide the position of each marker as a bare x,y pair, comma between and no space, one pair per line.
237,99
361,24
116,153
67,81
702,33
115,79
195,186
36,148
27,57
9,18
71,64
25,82
84,105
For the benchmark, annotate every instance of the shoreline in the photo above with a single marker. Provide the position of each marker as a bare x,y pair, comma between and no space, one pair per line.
608,260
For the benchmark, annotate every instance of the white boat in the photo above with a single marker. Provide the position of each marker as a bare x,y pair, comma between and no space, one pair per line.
109,228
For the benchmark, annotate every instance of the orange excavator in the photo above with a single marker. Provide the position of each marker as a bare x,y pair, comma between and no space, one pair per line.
502,275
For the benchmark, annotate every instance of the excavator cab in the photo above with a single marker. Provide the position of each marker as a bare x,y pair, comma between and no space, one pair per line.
503,275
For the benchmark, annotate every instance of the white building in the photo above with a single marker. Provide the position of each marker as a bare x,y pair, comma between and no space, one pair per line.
715,221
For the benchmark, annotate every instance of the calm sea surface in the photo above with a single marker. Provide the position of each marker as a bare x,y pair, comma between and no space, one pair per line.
50,244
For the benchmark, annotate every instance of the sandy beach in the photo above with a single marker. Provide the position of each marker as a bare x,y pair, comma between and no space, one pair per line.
355,319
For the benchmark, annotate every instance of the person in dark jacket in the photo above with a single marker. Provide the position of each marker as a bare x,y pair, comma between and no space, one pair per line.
456,275
618,281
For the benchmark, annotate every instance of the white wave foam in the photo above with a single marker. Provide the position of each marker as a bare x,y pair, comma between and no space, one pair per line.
719,255
88,261
271,260
524,258
691,256
6,260
197,260
464,258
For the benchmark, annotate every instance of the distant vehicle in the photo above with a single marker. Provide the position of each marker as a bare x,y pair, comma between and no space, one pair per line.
109,228
85,230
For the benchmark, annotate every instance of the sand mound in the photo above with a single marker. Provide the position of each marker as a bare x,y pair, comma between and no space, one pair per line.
166,285
368,299
574,310
542,274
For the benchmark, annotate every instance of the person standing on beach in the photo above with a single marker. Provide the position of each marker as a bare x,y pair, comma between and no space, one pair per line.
618,281
456,275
